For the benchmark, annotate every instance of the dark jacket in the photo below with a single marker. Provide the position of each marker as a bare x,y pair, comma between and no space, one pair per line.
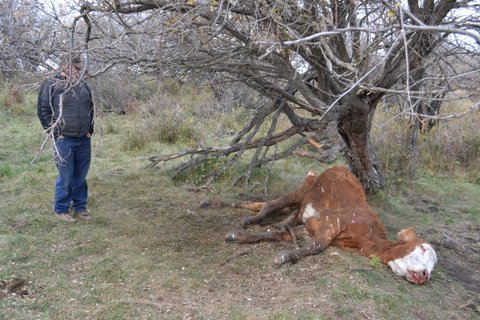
77,114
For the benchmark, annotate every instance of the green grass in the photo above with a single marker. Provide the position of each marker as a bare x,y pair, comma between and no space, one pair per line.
150,252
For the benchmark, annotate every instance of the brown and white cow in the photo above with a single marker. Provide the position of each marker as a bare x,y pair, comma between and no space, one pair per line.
332,209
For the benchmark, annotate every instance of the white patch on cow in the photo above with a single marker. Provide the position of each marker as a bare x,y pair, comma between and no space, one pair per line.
326,218
310,212
323,189
338,222
422,259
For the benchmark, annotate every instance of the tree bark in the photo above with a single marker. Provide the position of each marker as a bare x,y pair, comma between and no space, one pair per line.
354,128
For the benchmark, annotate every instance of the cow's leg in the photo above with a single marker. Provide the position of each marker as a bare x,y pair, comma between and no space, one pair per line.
291,220
322,235
273,235
283,203
258,206
250,205
296,254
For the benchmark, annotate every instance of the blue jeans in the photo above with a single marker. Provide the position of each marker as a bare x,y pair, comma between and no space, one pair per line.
72,158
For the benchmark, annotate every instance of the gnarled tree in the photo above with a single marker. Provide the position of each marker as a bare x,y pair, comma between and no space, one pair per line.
317,62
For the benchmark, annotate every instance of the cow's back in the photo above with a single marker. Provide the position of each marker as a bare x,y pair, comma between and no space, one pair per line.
336,188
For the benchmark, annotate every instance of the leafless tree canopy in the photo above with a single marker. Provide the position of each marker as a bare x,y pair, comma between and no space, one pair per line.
317,61
314,62
33,34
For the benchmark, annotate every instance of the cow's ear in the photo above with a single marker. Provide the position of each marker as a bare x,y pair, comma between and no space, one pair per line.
407,234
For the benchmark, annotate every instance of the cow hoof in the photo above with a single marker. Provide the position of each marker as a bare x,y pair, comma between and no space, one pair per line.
281,258
231,237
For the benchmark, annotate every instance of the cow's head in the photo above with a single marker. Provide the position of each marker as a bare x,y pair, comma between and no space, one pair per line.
417,265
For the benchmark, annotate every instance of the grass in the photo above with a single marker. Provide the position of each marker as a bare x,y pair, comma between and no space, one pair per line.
150,252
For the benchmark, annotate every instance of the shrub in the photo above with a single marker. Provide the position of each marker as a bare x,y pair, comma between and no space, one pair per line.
6,101
17,94
144,91
136,140
175,130
198,174
110,127
452,145
170,125
448,148
13,99
111,95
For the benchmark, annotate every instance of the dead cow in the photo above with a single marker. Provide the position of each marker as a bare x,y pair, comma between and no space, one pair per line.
332,209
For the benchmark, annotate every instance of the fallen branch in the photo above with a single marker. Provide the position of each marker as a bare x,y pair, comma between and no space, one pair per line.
325,156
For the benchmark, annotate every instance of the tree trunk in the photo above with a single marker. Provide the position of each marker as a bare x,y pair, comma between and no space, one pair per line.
354,127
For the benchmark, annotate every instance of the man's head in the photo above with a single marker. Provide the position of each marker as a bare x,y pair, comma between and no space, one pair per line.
71,63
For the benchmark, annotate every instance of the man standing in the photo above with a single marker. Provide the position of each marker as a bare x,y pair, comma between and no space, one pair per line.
65,109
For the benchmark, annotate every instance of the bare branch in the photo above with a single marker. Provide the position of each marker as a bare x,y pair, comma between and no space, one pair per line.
313,62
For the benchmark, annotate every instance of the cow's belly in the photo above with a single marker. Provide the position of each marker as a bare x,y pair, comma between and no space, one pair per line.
347,224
